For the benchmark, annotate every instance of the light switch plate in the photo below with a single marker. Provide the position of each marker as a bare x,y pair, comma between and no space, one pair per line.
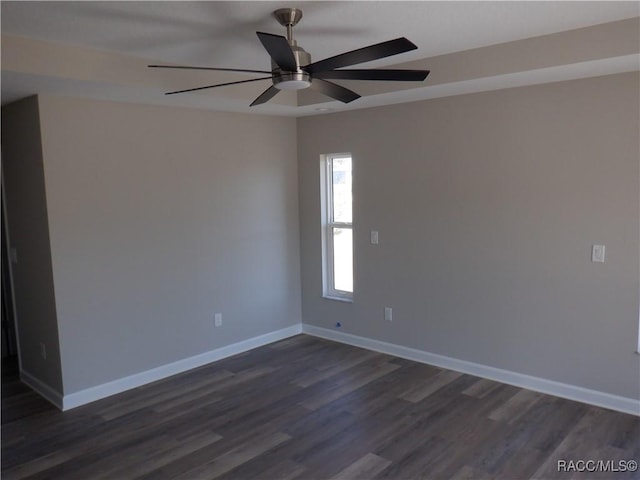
597,254
374,237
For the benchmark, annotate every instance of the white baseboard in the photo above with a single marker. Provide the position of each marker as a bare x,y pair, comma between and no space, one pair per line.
42,388
136,380
551,387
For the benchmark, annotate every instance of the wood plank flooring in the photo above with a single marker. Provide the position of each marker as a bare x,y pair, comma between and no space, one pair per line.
306,408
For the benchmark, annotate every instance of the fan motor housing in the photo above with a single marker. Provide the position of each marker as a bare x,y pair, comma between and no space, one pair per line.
301,55
297,80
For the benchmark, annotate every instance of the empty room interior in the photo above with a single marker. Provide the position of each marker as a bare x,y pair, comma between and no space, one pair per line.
320,240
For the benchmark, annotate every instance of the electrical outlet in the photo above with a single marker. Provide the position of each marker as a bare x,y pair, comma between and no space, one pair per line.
43,351
217,319
388,314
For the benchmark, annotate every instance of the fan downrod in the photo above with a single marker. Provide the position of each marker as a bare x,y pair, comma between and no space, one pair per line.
289,18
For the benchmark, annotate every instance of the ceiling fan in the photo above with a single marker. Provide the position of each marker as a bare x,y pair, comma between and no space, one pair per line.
292,69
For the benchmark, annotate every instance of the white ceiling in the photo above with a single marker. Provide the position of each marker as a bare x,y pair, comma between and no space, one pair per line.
222,34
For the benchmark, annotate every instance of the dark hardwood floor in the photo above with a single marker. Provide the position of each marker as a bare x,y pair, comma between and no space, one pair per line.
306,408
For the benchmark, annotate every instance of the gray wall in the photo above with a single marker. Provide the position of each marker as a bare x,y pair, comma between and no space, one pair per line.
28,227
159,218
487,207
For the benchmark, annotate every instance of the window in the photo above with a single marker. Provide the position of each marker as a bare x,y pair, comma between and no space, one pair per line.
337,232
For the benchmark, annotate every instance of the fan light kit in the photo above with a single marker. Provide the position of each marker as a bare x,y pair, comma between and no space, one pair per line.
292,69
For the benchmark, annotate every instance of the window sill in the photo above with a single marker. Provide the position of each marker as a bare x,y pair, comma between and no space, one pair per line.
339,299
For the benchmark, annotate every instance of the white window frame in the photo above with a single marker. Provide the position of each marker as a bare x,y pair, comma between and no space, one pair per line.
328,224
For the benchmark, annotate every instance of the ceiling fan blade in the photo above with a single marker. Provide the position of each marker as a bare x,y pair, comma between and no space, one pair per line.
265,96
366,54
184,67
334,90
218,85
280,51
373,74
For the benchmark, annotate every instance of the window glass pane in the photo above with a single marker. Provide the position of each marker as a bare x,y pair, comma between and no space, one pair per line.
343,259
341,178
